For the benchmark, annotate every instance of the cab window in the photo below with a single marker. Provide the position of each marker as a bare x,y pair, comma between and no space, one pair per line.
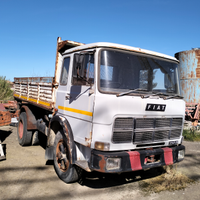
65,70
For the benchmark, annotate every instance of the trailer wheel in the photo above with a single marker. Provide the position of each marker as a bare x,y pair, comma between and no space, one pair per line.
24,136
64,169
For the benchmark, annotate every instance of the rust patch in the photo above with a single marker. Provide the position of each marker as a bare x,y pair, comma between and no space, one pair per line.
89,140
197,72
66,131
182,85
188,75
31,121
102,163
5,118
197,52
192,74
189,70
67,44
61,47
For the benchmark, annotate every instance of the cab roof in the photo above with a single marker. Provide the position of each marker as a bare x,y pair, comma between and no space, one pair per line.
70,46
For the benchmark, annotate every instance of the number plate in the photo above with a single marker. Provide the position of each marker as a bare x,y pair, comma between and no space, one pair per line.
173,142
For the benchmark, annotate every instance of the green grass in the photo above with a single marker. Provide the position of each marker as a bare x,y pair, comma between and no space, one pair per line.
191,135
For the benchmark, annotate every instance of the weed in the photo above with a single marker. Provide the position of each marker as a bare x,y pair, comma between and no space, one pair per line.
170,180
191,135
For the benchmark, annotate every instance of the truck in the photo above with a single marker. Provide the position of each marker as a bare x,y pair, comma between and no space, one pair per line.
109,108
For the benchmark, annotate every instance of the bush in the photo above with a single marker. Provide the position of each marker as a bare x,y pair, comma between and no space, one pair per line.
5,90
191,135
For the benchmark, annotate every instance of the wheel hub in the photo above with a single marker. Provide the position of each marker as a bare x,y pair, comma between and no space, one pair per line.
61,156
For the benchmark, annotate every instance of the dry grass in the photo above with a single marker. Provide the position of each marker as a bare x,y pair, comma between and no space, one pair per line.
171,180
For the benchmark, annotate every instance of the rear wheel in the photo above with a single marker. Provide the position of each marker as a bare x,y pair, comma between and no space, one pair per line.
64,169
24,136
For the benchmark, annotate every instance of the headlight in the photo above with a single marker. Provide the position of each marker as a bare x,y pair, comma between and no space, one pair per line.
181,154
113,163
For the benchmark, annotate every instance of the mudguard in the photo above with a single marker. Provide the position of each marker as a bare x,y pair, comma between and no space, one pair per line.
60,123
31,121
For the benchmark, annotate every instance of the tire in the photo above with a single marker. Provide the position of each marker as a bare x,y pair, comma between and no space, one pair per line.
24,136
64,169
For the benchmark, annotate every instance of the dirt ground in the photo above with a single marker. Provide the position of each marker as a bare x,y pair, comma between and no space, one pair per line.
26,175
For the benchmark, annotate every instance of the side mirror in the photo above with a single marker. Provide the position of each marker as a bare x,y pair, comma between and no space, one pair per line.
79,65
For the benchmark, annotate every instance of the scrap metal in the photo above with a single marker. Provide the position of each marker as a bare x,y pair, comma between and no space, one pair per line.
7,111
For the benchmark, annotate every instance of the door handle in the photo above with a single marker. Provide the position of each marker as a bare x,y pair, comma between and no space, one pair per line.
67,97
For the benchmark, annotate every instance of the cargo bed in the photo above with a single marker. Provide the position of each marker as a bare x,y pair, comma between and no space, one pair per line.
35,90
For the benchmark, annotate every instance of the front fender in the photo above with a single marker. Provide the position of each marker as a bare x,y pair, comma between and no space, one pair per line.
60,123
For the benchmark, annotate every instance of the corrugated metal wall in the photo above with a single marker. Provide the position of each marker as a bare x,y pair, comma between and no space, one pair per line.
190,74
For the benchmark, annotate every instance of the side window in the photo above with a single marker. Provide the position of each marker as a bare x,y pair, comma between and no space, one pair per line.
65,70
88,71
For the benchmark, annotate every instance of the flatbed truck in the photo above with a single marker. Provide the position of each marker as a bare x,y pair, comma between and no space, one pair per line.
109,108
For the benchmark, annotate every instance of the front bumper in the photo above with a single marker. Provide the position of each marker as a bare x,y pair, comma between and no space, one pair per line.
136,160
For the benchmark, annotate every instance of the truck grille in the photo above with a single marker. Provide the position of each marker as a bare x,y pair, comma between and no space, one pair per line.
145,130
123,130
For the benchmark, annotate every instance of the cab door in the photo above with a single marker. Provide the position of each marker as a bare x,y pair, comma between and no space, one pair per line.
75,99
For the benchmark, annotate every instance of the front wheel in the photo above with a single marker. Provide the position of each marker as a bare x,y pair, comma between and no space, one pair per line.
24,136
64,169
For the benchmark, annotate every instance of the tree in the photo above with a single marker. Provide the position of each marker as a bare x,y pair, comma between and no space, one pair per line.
5,91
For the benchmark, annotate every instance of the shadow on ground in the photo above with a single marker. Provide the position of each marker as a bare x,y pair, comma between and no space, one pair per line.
102,180
4,134
93,180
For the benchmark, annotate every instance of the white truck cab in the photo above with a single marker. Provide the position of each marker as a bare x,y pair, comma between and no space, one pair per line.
115,109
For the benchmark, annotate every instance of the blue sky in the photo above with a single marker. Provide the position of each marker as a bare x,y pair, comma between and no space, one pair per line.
29,29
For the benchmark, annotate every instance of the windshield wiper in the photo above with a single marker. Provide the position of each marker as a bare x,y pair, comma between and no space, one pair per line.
131,91
155,94
173,96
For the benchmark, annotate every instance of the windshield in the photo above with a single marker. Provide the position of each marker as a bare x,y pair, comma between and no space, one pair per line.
123,71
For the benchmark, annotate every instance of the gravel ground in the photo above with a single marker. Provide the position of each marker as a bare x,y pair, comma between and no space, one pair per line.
26,175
